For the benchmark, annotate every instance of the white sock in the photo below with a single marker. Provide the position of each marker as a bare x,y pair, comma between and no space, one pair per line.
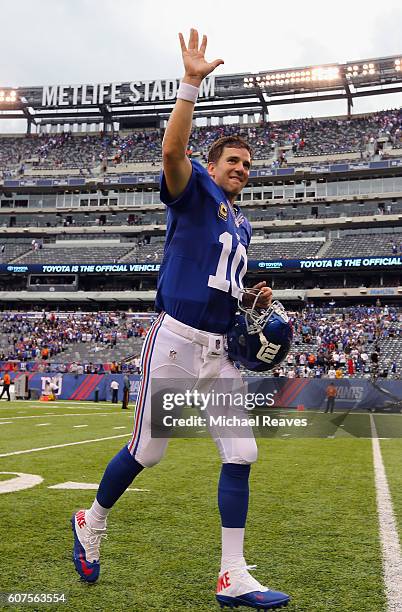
232,548
96,515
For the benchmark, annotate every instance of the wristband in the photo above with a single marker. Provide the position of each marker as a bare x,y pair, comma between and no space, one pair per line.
187,92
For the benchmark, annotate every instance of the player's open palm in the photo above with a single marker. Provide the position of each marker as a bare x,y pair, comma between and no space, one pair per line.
195,65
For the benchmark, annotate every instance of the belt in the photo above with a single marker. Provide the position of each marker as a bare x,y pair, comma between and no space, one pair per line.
214,342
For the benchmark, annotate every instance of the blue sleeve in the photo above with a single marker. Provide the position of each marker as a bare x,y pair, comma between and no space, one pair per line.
199,179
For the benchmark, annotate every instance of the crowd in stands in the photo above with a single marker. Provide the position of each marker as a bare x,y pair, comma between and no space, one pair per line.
310,136
77,368
306,137
328,342
66,150
338,343
42,338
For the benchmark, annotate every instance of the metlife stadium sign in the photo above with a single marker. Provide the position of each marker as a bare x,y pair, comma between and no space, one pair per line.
122,93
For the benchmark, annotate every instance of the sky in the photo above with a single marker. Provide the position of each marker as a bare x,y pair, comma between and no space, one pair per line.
97,41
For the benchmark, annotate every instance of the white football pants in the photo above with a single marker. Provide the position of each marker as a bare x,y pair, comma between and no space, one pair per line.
183,355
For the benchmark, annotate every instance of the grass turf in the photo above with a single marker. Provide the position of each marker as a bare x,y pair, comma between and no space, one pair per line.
391,451
312,530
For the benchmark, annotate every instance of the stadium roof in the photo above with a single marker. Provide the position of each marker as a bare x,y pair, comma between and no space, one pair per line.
234,94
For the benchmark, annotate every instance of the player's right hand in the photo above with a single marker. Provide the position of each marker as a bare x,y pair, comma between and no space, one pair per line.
195,65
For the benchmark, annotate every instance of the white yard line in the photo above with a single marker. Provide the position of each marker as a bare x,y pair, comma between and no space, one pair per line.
87,486
77,426
391,548
34,407
83,407
43,448
63,404
40,416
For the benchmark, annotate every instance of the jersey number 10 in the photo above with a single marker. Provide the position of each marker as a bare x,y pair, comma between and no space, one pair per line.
219,280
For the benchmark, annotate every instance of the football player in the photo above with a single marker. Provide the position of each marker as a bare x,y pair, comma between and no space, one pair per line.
200,283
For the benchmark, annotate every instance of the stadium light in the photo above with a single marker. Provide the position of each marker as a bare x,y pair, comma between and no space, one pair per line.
325,73
7,96
355,71
363,72
279,79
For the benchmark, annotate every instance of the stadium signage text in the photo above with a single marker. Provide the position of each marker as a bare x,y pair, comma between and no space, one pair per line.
80,268
100,268
316,264
135,92
17,269
283,264
357,262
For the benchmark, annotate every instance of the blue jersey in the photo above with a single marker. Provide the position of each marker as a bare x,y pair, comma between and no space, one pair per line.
205,255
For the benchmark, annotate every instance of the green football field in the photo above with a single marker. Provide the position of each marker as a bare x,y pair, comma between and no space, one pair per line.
312,530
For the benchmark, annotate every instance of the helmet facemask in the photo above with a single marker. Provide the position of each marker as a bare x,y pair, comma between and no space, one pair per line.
259,338
256,318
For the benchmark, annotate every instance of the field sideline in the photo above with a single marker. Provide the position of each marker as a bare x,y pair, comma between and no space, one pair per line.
313,523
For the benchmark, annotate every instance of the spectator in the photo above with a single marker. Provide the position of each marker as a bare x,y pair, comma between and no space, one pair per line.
114,387
6,386
126,392
113,367
331,395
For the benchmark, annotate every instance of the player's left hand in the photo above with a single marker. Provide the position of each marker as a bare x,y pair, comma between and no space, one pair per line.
264,299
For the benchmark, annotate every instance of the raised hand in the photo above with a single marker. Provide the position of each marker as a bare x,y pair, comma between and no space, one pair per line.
195,65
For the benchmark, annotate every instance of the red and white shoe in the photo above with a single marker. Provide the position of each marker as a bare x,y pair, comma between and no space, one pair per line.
86,547
237,587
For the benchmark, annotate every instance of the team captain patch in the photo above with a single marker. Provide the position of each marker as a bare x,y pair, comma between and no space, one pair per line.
223,211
